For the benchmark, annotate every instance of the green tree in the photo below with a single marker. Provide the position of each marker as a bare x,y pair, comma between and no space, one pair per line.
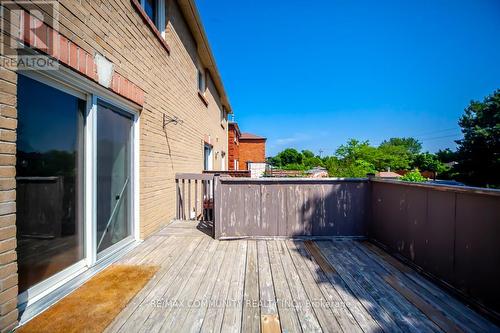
446,155
413,176
310,161
411,145
478,154
398,153
274,161
429,162
290,156
307,153
354,159
393,157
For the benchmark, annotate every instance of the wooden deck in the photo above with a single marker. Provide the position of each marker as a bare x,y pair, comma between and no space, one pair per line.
290,286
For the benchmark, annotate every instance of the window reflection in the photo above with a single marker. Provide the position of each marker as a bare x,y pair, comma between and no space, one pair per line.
113,175
49,181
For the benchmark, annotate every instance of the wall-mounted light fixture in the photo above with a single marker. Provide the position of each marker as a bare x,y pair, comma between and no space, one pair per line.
171,120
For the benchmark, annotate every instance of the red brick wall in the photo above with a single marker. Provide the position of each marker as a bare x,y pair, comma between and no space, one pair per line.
253,150
233,147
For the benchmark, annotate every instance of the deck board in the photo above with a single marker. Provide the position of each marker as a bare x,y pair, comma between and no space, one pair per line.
196,314
233,312
289,320
287,286
308,321
408,318
251,312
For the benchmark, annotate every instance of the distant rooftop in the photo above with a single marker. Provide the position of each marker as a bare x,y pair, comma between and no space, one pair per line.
388,174
251,136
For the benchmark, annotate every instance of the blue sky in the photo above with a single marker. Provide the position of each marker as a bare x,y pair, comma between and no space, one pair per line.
310,75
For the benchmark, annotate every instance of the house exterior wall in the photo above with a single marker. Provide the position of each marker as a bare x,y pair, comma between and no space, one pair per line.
8,256
253,150
162,80
233,147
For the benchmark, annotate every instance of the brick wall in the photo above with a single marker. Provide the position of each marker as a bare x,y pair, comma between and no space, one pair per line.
252,150
233,147
168,81
8,256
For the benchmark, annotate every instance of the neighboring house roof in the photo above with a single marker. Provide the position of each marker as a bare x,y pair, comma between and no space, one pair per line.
316,170
251,136
193,19
388,174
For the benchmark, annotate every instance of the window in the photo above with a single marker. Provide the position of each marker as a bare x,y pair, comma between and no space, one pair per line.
201,81
155,9
151,9
207,158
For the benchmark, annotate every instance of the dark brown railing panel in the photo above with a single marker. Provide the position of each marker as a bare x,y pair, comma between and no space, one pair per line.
451,232
290,207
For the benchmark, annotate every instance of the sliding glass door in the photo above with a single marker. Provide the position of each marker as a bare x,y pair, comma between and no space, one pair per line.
114,133
49,175
74,173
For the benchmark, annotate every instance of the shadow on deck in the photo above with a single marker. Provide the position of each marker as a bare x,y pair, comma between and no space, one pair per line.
283,285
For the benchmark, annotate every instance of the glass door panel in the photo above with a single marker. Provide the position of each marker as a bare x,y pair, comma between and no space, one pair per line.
49,176
114,176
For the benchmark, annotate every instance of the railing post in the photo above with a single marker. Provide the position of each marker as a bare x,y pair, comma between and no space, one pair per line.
183,199
189,200
217,198
195,199
178,199
369,206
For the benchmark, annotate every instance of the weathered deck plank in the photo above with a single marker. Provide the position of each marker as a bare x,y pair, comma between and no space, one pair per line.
156,297
215,314
234,307
317,277
276,285
407,316
340,292
318,303
251,313
175,317
448,305
220,264
124,316
289,320
190,271
308,321
378,313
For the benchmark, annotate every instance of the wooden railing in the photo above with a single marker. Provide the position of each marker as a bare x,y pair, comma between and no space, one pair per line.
231,173
291,207
195,196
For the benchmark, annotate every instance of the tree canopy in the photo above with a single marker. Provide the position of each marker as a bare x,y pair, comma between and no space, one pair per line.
355,158
478,154
476,161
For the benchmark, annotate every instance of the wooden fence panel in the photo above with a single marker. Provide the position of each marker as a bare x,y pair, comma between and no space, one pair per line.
292,207
451,233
